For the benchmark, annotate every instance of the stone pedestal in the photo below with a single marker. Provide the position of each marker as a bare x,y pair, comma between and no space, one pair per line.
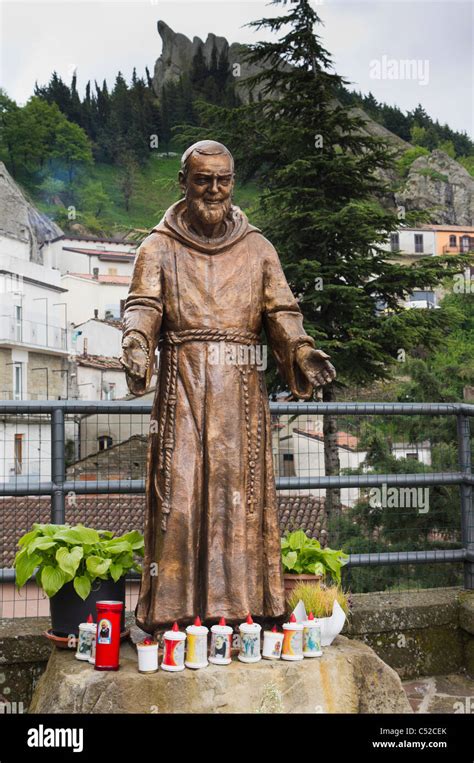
348,678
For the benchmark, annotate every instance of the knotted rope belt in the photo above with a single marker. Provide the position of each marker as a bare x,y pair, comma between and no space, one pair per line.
171,340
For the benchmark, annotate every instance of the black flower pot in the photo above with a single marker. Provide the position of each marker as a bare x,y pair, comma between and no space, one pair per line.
68,609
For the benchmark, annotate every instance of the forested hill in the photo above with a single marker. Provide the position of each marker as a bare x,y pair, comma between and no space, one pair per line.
415,127
93,160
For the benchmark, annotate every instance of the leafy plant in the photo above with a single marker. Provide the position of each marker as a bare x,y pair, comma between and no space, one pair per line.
318,599
63,553
303,555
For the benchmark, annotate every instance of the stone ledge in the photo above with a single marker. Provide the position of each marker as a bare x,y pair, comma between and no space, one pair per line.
466,611
22,640
392,611
349,678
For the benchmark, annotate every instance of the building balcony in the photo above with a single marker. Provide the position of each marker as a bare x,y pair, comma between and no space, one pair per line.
463,249
32,335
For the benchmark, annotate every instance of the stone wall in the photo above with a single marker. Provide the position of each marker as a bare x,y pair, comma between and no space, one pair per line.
6,374
37,379
418,633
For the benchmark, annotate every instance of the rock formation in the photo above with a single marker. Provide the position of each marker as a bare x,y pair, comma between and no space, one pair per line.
348,678
178,52
442,187
20,220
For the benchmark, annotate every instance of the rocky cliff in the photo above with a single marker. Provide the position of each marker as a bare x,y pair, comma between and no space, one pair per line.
178,52
440,186
20,220
435,184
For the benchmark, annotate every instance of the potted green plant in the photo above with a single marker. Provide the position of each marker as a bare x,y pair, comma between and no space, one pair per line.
75,567
305,561
330,606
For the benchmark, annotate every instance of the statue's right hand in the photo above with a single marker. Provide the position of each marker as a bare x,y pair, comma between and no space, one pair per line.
134,356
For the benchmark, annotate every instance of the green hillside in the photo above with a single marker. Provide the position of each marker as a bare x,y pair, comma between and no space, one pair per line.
154,189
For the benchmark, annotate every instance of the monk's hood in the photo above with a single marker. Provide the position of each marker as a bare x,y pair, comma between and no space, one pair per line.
174,225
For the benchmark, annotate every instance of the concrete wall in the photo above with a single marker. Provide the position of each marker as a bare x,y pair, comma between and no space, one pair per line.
94,383
102,339
86,295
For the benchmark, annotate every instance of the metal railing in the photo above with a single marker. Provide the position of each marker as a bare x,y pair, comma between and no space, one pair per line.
58,487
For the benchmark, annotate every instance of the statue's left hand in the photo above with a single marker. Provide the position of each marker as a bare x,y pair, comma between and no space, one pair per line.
315,365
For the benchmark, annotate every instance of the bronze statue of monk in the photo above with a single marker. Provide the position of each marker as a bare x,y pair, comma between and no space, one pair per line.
205,279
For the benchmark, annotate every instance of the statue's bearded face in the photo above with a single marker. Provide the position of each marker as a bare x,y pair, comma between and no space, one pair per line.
208,187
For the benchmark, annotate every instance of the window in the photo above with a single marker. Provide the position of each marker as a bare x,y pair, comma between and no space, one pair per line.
18,450
424,296
412,456
288,465
18,323
109,391
105,442
452,241
465,243
394,242
17,381
418,243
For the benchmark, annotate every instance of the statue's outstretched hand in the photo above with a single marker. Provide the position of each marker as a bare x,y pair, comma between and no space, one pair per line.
315,365
135,356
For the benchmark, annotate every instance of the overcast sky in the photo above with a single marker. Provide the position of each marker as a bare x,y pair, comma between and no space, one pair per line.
369,43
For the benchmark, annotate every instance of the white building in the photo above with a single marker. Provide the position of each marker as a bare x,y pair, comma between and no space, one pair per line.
302,455
34,332
97,336
97,432
100,378
407,245
96,274
84,255
88,293
308,449
412,242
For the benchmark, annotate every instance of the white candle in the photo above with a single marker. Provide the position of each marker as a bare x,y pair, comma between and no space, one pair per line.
250,641
147,656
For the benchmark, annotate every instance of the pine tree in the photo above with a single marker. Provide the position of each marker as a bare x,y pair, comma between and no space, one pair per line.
199,71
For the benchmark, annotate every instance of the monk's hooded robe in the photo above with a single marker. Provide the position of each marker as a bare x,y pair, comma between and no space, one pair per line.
212,541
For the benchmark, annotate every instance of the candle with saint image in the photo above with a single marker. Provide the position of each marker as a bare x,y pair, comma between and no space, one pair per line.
311,637
196,645
173,652
272,644
250,641
221,643
292,640
86,640
107,654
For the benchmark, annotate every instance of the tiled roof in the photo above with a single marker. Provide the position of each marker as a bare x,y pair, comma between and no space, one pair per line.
454,228
101,253
343,439
306,512
73,236
125,280
99,361
114,322
122,513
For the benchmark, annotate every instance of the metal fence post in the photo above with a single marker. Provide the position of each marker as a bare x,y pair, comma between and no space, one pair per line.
467,512
58,467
